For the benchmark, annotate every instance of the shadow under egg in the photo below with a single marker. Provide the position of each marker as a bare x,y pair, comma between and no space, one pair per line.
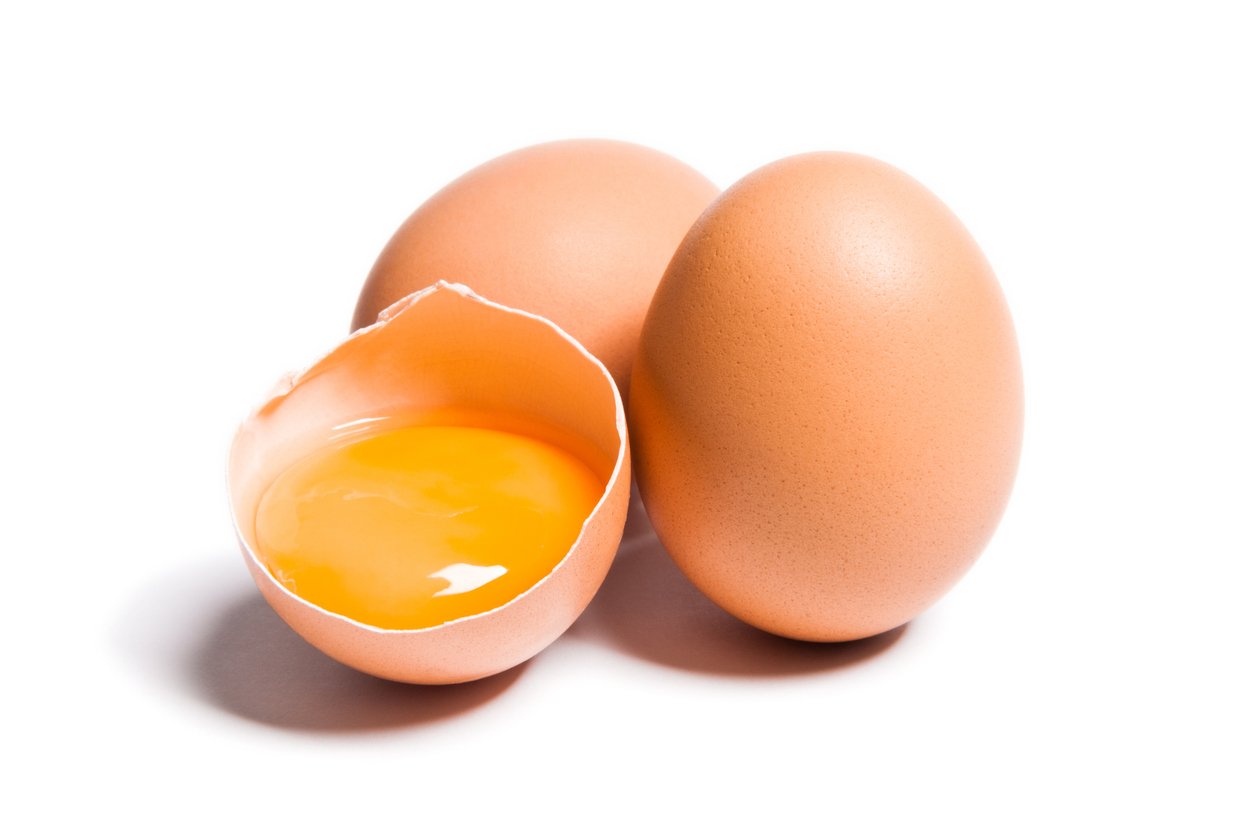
253,665
649,609
206,630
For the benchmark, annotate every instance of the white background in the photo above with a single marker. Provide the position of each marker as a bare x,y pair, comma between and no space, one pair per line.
189,201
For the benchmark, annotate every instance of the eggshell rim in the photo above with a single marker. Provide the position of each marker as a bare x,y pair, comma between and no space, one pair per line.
289,382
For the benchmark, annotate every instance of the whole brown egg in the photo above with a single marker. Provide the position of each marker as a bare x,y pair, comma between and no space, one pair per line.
577,231
826,408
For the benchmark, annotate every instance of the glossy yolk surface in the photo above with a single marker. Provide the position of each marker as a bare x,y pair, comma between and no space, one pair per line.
419,525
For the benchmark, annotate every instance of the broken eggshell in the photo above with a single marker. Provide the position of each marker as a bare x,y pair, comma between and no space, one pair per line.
444,348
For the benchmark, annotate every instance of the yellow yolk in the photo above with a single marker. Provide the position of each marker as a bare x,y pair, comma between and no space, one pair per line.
416,526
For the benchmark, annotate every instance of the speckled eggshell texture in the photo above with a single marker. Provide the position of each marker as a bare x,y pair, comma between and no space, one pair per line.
577,231
444,347
827,402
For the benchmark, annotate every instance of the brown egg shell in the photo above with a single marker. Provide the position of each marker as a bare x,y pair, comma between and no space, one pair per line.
827,403
441,347
578,231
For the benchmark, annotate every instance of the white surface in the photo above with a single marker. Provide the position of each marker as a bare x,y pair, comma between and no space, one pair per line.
189,202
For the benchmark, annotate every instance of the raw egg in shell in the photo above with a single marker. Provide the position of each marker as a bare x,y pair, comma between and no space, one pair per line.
438,498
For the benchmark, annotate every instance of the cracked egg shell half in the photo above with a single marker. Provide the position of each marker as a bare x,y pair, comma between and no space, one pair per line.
827,401
444,349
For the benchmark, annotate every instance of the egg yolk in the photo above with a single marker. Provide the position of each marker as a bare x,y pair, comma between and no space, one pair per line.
415,526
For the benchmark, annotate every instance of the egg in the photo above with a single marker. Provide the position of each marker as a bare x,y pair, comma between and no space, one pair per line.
577,231
826,408
446,353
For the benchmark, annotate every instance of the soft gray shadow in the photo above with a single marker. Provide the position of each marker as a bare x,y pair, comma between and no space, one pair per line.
255,666
649,609
230,650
